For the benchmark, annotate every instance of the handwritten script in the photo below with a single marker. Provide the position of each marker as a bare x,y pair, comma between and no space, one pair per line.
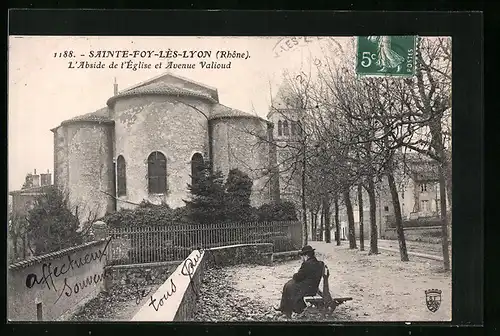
140,294
49,273
188,269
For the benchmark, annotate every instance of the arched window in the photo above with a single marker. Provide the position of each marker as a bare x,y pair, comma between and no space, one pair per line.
196,167
299,128
286,130
294,127
121,174
280,128
157,173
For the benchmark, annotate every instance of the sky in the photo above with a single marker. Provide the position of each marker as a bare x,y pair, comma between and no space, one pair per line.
43,91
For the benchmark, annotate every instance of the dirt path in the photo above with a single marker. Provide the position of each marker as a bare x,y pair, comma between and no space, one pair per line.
222,300
120,304
383,288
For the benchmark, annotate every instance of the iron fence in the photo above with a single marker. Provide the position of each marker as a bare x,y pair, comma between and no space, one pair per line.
132,245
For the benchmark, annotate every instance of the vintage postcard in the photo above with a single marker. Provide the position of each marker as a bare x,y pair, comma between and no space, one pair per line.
217,179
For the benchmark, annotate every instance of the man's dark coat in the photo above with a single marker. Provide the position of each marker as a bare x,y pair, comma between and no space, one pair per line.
304,283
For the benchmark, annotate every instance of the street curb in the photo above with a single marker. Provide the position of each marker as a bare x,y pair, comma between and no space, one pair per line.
415,254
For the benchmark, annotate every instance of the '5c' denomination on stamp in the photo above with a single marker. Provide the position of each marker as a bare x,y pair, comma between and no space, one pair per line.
386,56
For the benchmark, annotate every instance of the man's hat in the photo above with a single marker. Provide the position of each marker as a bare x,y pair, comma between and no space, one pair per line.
306,249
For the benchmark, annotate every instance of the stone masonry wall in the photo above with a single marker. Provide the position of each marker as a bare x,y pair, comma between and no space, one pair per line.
236,145
159,123
141,274
60,156
260,254
424,234
84,167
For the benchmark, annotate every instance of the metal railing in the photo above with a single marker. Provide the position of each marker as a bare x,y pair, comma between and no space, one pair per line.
133,245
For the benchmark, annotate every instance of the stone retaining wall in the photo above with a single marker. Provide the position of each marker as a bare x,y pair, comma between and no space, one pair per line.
175,300
431,234
142,274
261,254
286,256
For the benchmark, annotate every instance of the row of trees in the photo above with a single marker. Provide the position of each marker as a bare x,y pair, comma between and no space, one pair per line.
357,133
52,224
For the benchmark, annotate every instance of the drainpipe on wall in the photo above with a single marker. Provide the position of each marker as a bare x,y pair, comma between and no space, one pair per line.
210,145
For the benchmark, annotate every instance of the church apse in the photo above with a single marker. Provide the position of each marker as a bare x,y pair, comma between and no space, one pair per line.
170,126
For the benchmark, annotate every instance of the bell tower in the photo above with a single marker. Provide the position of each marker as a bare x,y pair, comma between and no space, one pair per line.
285,114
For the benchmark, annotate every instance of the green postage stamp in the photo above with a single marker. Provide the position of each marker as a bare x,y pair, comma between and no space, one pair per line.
386,56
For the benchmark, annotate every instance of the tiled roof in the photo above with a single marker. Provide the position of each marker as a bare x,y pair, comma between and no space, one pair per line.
423,170
101,115
284,100
30,190
160,88
169,74
222,111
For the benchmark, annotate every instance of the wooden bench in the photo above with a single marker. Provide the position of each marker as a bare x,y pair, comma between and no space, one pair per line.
323,299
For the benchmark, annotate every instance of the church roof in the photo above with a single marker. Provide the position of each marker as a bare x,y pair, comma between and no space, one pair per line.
101,115
160,88
221,111
33,190
284,100
420,167
168,74
164,88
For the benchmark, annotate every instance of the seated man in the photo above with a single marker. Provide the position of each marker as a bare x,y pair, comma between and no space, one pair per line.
304,283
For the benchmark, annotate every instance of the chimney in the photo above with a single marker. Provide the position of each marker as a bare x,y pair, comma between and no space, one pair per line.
115,87
46,179
36,180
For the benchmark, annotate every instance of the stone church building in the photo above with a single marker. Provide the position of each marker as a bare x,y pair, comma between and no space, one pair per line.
148,140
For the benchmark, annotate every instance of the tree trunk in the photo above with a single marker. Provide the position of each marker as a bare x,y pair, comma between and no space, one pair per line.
328,232
313,226
444,220
447,168
373,217
361,224
437,141
321,224
15,243
397,213
316,226
315,231
350,220
24,246
304,205
337,222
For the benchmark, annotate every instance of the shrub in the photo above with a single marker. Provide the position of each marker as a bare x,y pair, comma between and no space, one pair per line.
51,224
146,215
281,211
208,198
238,189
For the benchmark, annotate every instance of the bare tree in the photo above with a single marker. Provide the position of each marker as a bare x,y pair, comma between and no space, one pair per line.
361,226
337,223
374,131
431,93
